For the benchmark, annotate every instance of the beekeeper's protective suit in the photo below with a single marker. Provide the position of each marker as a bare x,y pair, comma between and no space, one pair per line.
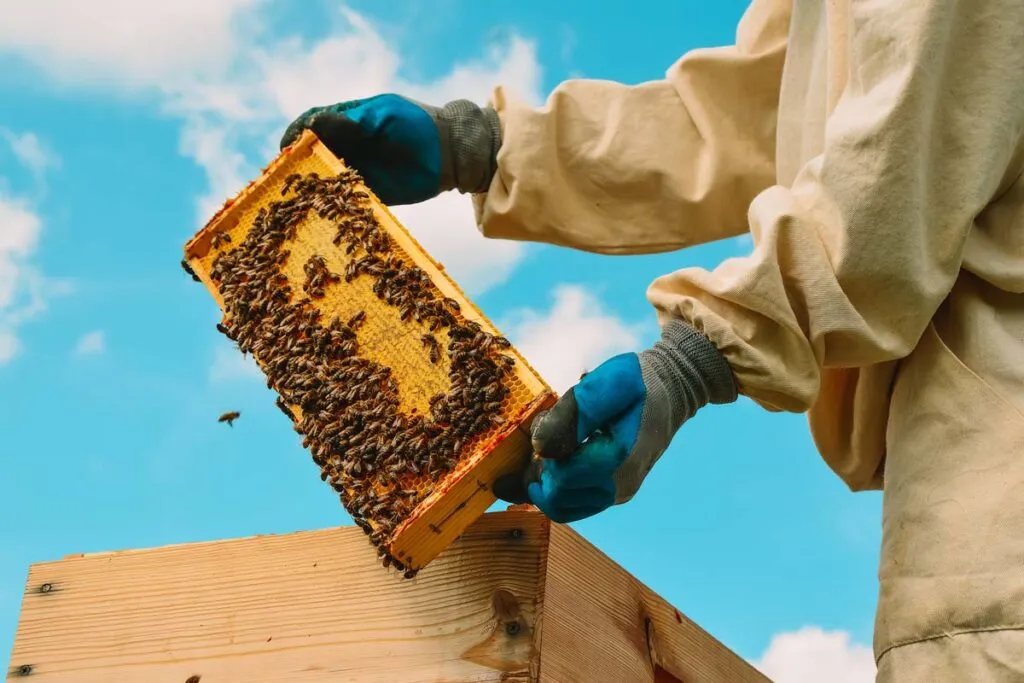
874,151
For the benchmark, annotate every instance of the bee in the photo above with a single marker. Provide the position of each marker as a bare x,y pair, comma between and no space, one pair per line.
229,417
219,239
285,409
356,320
188,269
288,182
430,341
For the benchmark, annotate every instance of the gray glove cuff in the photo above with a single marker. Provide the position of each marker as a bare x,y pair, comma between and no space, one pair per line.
685,370
470,139
682,372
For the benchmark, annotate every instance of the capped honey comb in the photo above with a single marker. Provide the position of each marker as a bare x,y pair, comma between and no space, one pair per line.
408,399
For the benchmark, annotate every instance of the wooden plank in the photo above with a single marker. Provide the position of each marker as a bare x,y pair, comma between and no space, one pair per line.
299,608
602,624
447,507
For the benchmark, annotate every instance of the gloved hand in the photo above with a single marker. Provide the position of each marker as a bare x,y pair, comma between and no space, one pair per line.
602,437
408,152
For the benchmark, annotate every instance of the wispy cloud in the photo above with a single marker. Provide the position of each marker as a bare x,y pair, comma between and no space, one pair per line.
8,345
24,290
128,45
91,344
229,365
575,334
31,152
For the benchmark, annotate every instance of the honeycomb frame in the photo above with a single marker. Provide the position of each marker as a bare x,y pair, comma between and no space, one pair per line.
464,493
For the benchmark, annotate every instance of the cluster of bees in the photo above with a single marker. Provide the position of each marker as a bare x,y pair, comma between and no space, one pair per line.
380,460
317,276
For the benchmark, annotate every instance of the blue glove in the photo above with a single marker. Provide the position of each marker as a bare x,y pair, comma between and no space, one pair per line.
408,152
599,441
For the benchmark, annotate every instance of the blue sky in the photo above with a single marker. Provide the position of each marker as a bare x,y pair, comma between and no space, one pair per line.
115,143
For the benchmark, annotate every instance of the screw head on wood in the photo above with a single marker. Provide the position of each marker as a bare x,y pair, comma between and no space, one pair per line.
46,588
513,628
25,670
515,533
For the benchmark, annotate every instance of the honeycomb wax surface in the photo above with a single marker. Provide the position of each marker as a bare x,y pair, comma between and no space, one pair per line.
392,383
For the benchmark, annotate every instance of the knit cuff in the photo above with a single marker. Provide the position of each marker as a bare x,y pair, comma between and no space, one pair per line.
470,139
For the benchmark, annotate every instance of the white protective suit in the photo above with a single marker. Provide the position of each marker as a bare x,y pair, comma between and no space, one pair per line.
873,149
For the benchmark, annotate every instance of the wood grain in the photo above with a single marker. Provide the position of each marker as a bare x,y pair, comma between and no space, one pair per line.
300,608
602,624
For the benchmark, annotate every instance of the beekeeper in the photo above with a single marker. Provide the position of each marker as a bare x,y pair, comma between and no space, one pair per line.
874,152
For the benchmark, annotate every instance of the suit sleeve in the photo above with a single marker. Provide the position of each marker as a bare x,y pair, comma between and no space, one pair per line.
852,261
620,169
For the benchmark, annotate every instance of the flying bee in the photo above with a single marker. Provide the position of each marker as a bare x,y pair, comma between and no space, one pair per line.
229,417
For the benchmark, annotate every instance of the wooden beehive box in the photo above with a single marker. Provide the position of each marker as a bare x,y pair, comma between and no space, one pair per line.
516,599
357,327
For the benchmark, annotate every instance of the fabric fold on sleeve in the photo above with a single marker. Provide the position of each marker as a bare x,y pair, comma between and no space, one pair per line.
852,261
621,169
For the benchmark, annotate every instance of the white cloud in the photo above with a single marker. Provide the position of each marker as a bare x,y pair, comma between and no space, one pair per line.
574,335
812,655
125,43
91,343
211,64
446,228
19,236
8,345
30,151
225,168
229,365
23,290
